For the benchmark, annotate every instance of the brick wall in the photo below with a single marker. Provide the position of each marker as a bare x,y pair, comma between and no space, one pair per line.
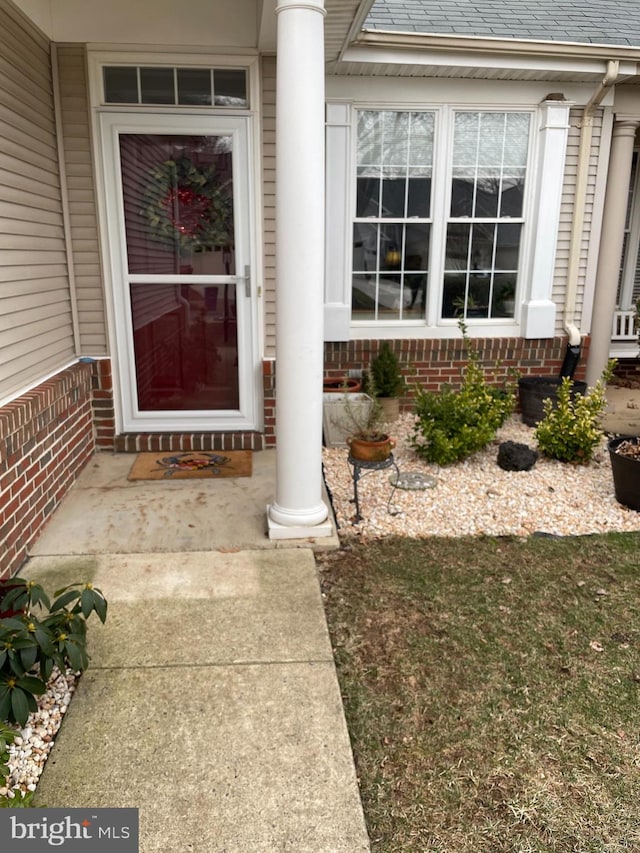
628,369
430,363
46,438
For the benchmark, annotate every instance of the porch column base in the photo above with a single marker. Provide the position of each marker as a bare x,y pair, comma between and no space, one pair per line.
302,528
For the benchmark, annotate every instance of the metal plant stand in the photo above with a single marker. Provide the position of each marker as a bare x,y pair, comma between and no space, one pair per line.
359,467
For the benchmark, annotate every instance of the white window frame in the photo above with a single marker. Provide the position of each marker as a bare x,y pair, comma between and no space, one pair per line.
440,216
535,312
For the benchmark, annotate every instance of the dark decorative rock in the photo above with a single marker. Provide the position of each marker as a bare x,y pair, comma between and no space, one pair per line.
513,456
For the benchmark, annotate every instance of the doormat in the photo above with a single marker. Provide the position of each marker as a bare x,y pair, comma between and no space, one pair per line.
196,464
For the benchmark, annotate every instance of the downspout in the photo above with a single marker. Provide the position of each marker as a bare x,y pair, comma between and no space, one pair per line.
582,177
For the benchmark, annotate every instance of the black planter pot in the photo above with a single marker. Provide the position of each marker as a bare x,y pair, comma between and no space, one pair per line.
626,474
534,390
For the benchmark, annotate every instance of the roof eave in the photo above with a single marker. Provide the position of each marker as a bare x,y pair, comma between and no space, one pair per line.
490,45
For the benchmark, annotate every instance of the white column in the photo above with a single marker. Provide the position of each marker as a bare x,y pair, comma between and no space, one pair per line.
298,509
611,242
539,310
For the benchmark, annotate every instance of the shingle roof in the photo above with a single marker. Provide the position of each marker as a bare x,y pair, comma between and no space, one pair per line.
591,21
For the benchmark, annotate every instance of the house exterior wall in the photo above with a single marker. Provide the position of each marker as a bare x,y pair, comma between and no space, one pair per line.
46,421
431,363
588,246
80,185
46,438
36,323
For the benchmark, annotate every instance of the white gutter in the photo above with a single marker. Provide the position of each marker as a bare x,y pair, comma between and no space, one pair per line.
582,178
495,44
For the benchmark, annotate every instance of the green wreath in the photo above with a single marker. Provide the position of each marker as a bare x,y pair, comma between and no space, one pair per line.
187,208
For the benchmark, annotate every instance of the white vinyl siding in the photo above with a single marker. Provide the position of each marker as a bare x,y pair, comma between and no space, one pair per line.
269,196
83,221
36,332
588,244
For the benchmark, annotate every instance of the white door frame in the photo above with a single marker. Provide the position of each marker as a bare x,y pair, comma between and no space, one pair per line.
246,417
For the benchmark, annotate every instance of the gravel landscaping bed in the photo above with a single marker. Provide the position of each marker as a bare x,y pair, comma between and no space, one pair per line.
477,497
31,748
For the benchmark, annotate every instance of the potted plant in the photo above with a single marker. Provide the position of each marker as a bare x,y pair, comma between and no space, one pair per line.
341,385
507,300
624,453
533,391
367,440
386,381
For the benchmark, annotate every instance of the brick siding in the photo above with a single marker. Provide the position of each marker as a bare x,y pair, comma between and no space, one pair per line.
46,439
430,363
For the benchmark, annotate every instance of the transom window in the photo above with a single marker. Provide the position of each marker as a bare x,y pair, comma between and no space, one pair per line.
201,87
476,229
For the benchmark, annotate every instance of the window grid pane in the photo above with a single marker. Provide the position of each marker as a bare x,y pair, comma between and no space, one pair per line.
393,196
487,188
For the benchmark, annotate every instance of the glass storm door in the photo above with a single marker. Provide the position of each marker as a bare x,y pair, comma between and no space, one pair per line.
178,214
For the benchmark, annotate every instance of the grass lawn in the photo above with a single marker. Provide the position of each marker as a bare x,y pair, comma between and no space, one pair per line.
492,690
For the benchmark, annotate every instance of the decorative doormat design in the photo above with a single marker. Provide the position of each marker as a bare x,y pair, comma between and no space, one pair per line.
203,464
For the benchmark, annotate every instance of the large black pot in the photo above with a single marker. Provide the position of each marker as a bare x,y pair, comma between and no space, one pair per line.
534,390
626,474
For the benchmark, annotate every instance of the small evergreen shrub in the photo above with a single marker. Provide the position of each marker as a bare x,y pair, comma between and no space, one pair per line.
35,634
451,424
571,431
385,374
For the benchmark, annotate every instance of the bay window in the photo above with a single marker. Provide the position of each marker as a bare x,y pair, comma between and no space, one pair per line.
421,200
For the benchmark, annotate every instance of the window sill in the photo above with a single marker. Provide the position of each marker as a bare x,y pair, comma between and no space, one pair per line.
399,330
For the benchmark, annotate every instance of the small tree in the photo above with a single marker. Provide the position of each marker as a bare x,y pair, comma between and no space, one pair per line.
386,376
572,429
452,424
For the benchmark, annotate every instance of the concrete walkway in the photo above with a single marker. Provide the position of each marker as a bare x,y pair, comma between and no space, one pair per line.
211,703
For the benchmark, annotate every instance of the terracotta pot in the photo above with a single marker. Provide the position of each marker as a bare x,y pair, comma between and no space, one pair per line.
371,451
626,473
341,384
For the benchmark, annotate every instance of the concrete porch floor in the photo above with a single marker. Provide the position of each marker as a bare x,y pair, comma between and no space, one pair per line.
106,513
211,703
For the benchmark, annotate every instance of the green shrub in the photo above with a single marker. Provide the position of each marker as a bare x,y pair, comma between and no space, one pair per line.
385,374
7,737
571,431
36,634
452,424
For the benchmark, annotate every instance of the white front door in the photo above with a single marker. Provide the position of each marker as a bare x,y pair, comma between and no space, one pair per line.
177,193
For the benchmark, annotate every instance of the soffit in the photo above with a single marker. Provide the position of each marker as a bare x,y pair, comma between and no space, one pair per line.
381,69
343,23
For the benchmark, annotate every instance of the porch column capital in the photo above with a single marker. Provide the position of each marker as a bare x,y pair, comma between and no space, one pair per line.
311,5
625,126
611,243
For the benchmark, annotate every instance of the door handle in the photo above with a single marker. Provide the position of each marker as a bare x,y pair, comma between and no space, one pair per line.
246,278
